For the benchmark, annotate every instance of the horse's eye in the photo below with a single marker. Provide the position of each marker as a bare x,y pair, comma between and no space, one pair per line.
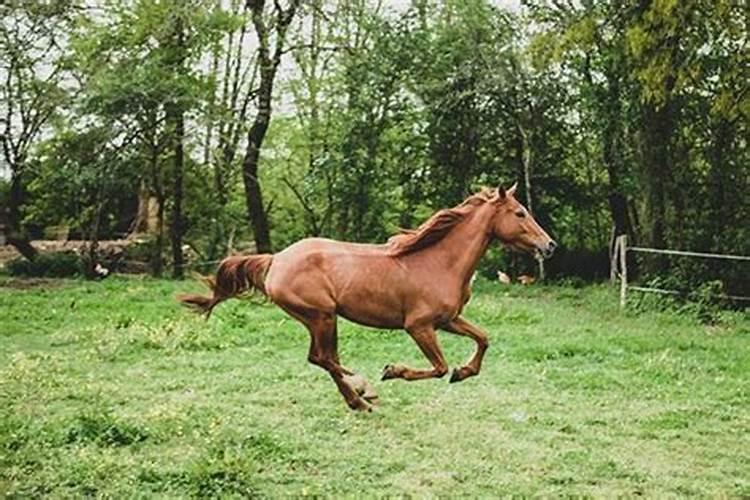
521,214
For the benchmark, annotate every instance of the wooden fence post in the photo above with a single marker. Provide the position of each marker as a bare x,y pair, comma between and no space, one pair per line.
540,263
623,247
614,258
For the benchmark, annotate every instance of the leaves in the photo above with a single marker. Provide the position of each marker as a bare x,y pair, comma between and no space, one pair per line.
625,114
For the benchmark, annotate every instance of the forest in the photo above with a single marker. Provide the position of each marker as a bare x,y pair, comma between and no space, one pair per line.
208,127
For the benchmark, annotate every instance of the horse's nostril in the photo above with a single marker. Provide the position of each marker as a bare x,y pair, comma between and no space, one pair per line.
552,245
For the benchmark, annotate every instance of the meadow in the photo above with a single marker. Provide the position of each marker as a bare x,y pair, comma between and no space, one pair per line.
112,389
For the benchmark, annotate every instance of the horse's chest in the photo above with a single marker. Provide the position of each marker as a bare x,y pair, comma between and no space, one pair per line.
447,304
454,303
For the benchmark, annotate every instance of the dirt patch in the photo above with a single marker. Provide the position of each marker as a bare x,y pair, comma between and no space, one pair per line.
111,252
7,253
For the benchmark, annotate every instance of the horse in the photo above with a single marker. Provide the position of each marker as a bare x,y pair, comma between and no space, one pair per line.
419,281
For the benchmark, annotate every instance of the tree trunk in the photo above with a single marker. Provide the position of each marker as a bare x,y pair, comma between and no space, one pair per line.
658,132
157,262
14,234
175,117
140,224
719,180
177,120
657,135
253,195
612,157
527,165
268,65
91,258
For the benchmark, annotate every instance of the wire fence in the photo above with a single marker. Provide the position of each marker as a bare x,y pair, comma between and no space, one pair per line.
689,254
620,269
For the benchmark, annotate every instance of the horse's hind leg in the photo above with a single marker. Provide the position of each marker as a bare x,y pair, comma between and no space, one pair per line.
324,353
426,339
460,326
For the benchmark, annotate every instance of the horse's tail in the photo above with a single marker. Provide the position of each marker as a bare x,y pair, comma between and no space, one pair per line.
236,275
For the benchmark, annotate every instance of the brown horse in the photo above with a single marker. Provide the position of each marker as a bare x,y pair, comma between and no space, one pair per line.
418,281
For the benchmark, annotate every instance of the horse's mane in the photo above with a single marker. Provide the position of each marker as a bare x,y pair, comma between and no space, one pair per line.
436,227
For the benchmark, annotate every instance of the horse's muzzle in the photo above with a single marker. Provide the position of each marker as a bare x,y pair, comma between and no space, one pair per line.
548,249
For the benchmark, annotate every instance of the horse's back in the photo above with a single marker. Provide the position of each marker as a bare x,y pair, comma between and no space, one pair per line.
332,247
337,276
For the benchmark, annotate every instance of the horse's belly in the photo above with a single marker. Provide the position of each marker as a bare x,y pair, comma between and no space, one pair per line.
370,306
390,321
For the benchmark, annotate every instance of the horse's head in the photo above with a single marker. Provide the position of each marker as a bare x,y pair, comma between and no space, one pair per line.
514,226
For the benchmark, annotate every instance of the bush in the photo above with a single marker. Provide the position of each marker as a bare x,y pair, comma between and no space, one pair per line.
705,302
48,265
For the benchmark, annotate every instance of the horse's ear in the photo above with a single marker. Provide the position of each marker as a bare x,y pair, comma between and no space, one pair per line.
512,189
500,195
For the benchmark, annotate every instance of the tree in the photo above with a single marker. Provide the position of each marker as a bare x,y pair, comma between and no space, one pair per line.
590,41
175,119
32,48
138,66
269,59
83,175
234,71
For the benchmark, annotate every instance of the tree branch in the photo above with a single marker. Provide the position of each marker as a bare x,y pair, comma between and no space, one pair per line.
305,205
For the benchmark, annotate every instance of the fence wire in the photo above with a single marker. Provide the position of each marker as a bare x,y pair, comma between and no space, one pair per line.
685,253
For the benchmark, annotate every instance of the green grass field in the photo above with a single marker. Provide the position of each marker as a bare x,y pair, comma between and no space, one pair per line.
112,389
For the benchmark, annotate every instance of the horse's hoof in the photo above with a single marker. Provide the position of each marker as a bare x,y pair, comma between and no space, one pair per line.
370,395
392,371
362,387
373,399
356,382
456,376
360,404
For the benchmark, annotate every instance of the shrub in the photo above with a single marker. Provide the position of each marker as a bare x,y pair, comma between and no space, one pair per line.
49,265
704,302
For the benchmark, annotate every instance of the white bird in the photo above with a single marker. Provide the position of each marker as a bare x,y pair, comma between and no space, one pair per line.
503,278
100,270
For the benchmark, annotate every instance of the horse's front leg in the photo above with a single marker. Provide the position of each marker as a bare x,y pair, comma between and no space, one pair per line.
426,339
460,326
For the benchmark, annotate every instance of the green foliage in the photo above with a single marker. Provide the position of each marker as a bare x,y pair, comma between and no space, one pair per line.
649,82
81,181
423,123
621,114
707,302
48,265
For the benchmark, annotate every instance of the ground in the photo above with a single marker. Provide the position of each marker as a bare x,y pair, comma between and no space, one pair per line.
111,389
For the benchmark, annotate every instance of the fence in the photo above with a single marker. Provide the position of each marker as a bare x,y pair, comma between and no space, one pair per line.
619,260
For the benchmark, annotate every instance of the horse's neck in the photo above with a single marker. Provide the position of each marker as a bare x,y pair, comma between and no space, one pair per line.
459,251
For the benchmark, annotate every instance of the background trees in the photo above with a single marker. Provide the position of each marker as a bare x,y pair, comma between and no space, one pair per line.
33,90
356,117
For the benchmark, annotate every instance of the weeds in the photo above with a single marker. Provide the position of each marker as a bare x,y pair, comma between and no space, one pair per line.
98,426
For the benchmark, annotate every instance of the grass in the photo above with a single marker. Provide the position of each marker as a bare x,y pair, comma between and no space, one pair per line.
111,389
